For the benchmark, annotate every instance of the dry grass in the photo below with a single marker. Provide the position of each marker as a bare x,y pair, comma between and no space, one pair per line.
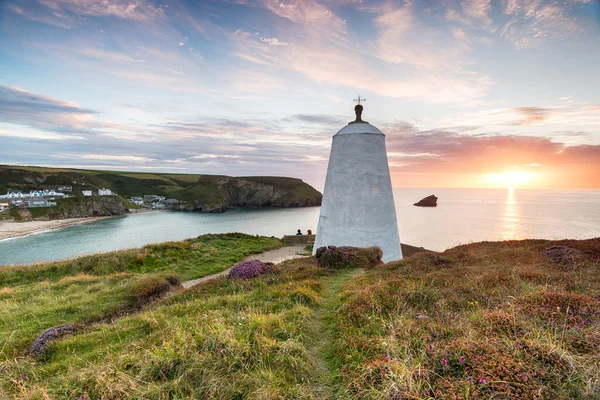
487,320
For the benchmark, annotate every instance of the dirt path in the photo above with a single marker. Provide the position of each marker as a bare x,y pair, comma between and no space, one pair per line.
274,256
321,335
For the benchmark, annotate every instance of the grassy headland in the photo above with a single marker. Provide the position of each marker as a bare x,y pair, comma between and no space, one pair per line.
197,192
507,320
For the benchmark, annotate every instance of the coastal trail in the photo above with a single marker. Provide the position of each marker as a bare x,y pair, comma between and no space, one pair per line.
321,337
273,256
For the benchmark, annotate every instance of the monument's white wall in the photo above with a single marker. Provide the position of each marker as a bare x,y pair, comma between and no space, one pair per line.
358,202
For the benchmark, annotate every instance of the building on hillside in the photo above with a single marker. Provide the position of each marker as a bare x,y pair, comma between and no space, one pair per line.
138,201
15,194
358,202
158,205
40,203
44,193
171,201
86,192
64,188
104,192
4,206
153,197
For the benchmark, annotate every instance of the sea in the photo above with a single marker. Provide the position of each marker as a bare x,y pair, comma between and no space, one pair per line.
462,216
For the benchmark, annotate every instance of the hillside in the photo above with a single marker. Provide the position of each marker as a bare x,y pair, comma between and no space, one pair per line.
510,320
208,193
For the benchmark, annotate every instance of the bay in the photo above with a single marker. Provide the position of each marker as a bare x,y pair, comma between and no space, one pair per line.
462,216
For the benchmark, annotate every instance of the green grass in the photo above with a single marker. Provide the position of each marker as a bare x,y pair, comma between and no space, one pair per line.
33,298
207,191
486,320
190,346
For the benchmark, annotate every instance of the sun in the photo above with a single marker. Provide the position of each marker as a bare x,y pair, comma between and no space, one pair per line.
511,179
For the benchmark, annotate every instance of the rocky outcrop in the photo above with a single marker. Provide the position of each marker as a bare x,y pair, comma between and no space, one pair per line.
21,214
429,201
80,207
228,192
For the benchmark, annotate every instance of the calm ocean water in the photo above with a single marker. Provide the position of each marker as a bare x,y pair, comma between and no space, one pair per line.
462,216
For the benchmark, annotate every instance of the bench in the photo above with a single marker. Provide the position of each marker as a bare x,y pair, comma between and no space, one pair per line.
299,239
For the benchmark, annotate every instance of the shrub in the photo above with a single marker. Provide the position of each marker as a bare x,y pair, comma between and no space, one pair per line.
249,269
40,346
343,257
152,286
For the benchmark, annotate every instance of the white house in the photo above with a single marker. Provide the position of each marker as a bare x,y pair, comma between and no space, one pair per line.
40,203
104,192
15,194
86,192
4,206
44,193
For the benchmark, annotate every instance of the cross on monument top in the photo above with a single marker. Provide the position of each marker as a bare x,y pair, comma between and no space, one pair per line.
358,109
359,99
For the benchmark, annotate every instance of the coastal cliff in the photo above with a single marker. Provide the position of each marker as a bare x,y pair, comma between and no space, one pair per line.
218,194
194,192
75,207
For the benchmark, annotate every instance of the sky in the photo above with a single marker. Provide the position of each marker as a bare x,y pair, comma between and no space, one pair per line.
472,93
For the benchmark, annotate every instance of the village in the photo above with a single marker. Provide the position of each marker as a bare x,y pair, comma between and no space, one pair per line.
47,197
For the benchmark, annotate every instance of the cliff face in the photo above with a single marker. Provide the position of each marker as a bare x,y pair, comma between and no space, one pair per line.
79,207
227,192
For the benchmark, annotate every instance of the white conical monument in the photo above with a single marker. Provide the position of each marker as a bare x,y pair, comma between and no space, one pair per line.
358,202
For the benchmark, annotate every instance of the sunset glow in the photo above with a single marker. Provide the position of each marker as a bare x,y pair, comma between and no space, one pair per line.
512,179
470,93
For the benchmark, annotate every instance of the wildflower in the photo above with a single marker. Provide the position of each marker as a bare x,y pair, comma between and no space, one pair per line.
481,381
431,348
462,359
444,362
249,269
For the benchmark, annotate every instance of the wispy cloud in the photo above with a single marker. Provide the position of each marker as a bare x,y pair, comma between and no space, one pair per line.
22,107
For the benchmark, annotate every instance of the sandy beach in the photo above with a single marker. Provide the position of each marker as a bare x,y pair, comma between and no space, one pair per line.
15,229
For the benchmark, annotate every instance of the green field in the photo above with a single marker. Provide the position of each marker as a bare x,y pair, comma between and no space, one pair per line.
486,320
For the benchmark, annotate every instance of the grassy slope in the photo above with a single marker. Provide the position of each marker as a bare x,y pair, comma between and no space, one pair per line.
492,320
127,184
87,288
498,321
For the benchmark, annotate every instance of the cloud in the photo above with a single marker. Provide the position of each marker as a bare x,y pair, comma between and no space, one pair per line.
404,39
571,115
140,10
534,20
273,41
307,12
412,151
329,63
532,115
22,107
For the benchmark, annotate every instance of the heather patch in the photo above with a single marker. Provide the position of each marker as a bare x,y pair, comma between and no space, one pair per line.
563,308
347,257
40,346
249,269
567,257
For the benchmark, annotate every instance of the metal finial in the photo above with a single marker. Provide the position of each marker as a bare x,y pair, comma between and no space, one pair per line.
358,109
359,99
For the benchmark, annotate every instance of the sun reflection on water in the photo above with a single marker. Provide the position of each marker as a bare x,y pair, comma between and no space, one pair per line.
511,219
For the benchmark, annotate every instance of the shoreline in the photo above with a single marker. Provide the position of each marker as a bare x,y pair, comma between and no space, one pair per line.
13,229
